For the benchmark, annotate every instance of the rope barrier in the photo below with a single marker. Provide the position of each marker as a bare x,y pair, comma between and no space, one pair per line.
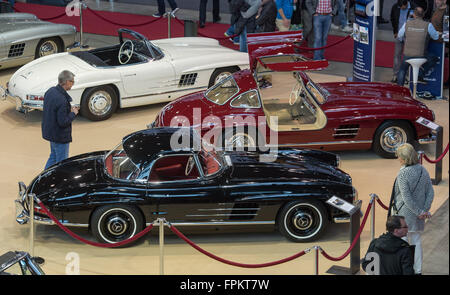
192,244
381,204
53,17
363,223
119,24
44,19
324,47
75,236
438,159
206,36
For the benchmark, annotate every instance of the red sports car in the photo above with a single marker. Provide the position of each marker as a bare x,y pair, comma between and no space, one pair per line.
277,104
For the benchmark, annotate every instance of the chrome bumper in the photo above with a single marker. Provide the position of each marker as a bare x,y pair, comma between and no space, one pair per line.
428,140
22,105
23,214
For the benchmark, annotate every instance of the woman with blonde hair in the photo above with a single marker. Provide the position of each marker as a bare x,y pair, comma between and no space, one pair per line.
412,196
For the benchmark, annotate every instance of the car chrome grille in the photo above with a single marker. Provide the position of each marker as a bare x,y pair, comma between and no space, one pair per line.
16,50
187,79
346,131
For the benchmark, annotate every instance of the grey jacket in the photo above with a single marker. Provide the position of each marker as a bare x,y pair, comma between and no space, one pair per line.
413,195
311,6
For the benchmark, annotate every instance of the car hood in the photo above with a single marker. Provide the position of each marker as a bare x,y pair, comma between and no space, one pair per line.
29,79
376,94
72,173
299,167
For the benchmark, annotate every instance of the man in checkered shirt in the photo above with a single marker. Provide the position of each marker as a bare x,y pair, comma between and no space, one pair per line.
322,12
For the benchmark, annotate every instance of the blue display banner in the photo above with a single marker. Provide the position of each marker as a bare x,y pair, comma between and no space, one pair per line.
364,30
434,77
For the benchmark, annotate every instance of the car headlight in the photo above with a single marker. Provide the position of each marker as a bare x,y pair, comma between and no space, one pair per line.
35,97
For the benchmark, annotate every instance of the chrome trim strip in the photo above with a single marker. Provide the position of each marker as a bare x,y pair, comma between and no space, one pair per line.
324,143
345,134
229,214
218,223
224,209
427,140
341,219
173,91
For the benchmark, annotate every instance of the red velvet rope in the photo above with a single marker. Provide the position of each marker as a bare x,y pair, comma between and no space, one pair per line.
119,24
45,19
438,159
382,205
54,17
75,236
363,223
324,47
192,244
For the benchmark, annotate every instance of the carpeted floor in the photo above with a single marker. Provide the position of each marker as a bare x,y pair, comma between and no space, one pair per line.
107,23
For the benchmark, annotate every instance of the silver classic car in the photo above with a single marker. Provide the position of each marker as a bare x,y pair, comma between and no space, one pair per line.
24,37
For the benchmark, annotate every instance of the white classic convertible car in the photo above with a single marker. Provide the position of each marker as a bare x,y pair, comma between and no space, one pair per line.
132,73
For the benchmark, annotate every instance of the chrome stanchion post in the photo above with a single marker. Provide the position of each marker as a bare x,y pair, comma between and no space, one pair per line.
169,21
372,215
316,260
161,245
421,153
31,209
81,6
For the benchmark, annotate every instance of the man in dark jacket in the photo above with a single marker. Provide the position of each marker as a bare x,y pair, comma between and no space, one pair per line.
57,118
265,20
400,12
390,254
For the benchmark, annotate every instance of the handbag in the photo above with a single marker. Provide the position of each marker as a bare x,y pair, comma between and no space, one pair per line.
392,200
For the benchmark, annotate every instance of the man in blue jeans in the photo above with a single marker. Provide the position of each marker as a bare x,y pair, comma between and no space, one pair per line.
162,8
322,12
57,118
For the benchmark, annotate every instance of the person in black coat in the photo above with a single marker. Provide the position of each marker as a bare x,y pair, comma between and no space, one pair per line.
265,20
202,12
57,118
390,254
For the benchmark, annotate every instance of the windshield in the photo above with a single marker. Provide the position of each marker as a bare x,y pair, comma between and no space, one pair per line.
222,91
209,159
119,165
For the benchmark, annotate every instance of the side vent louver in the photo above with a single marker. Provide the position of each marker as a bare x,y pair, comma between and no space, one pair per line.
346,131
187,80
16,50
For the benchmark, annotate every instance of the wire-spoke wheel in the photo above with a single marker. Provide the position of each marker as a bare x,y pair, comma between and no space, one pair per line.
48,46
389,136
220,74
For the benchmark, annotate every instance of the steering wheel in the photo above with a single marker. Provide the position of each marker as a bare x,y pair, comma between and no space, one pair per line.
126,49
295,93
189,166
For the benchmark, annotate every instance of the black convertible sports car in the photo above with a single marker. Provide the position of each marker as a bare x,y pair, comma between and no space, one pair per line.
150,175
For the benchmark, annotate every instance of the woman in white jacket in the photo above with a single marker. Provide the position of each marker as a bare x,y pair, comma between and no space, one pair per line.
413,195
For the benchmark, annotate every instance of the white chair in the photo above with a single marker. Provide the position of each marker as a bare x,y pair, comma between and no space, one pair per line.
416,63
